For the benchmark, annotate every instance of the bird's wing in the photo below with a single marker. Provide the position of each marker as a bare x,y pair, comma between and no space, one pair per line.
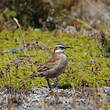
42,68
49,64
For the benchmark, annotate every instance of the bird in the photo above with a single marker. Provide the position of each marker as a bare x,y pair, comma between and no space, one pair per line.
55,66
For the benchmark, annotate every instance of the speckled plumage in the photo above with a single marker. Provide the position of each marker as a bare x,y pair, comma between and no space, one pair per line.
53,67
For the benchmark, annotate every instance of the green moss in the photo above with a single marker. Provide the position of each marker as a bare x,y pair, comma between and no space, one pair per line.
85,67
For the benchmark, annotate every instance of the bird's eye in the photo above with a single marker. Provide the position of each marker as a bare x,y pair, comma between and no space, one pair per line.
62,47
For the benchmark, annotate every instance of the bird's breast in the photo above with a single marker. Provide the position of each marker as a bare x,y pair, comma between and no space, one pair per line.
62,58
59,66
62,62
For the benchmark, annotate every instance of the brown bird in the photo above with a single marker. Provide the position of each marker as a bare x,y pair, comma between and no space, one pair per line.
54,66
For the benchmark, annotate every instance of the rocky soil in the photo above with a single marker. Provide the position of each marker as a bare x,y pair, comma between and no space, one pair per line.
40,98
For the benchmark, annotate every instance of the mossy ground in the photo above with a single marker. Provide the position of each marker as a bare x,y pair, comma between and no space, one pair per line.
86,64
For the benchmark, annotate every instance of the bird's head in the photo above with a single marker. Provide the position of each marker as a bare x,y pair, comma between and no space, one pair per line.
60,48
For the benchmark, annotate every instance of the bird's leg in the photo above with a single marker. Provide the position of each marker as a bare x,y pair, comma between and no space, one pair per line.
55,82
48,84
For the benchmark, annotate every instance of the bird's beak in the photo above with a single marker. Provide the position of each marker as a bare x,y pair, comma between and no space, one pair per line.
68,47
